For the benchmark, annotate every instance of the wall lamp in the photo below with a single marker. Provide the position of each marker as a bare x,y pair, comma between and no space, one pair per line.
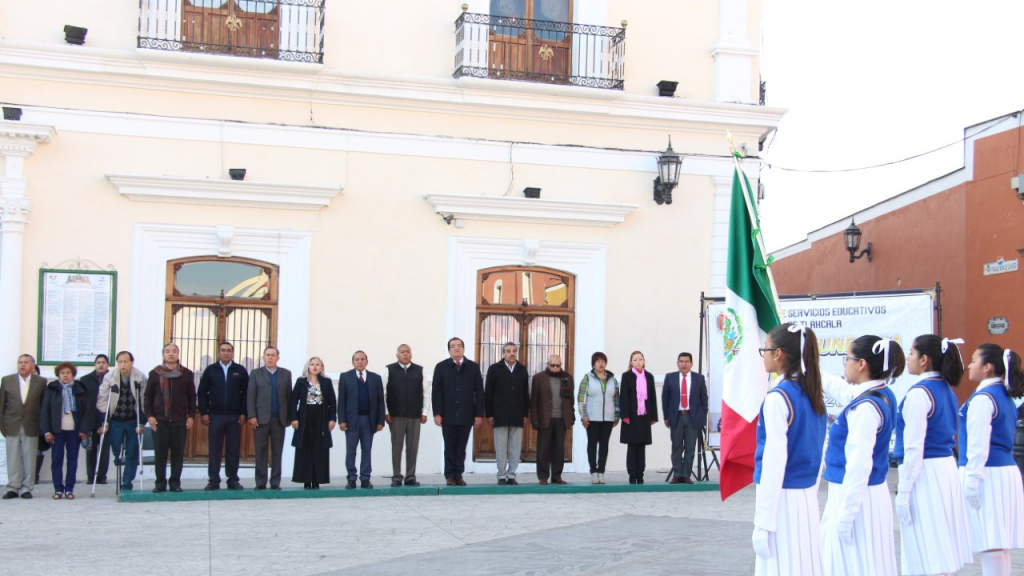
75,34
667,88
1015,183
237,173
11,113
852,236
531,192
669,164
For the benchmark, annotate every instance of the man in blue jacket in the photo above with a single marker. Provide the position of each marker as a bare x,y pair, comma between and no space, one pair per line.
222,406
360,416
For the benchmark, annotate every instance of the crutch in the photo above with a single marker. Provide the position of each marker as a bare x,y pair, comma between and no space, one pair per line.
138,426
99,449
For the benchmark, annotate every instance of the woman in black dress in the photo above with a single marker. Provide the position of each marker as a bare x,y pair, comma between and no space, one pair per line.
639,410
312,409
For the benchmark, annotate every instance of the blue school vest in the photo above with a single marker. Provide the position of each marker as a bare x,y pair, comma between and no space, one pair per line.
940,436
805,438
835,457
1000,452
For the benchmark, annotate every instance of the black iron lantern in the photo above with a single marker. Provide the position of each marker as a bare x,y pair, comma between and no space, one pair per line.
669,164
75,34
852,236
236,173
12,113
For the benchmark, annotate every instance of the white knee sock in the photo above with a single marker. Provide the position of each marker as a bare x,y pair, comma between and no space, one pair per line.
995,563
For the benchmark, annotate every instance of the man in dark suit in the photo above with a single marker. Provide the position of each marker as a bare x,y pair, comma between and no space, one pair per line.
222,404
21,398
507,404
684,399
360,416
267,407
458,400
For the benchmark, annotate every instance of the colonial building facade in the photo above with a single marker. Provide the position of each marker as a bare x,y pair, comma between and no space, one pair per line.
333,177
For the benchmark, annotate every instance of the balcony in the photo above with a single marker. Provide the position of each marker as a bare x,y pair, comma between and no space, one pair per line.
289,30
512,48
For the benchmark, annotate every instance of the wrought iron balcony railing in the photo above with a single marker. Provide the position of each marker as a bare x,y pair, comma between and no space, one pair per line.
290,30
509,48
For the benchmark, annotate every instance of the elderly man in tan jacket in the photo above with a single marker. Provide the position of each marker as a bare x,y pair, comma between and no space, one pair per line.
21,396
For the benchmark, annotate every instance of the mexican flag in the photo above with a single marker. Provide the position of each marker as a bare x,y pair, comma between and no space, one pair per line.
750,313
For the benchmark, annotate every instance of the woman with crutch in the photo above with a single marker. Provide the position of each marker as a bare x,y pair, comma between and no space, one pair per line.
120,399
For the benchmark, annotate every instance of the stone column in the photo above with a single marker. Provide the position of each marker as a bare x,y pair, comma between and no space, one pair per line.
17,142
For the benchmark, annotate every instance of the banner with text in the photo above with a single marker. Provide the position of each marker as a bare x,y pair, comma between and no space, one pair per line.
836,321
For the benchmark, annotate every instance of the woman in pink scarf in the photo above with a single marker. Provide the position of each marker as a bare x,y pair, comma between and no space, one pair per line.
639,405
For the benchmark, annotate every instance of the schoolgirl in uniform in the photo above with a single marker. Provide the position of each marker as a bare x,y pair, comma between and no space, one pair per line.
929,502
856,527
790,439
991,481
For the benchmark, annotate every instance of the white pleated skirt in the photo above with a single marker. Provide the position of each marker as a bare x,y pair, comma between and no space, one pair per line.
936,541
999,524
873,552
795,544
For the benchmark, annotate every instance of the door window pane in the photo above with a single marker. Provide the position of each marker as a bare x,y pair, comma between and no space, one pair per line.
221,279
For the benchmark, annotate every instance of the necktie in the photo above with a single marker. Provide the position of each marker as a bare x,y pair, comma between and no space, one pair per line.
361,381
685,401
458,364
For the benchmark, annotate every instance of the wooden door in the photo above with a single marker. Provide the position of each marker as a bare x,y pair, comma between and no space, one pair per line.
210,301
249,28
531,40
533,309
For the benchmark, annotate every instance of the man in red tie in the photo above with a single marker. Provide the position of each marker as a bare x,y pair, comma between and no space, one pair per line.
458,402
684,399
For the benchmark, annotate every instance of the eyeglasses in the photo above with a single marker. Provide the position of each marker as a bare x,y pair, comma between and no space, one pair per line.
761,351
554,365
847,358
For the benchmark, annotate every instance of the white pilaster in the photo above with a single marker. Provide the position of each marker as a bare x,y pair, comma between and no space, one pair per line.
17,142
734,54
720,234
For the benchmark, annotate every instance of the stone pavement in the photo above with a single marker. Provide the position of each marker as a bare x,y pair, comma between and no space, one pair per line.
691,533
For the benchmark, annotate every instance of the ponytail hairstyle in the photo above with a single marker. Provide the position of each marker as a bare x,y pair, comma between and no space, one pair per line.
801,362
948,363
869,349
1006,364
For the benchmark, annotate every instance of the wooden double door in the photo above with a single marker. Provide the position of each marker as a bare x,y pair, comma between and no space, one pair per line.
538,336
531,39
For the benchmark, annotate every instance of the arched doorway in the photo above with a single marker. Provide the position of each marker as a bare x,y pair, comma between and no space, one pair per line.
534,308
210,300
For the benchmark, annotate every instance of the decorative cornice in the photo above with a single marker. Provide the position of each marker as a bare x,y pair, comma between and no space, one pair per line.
238,77
30,133
530,210
206,191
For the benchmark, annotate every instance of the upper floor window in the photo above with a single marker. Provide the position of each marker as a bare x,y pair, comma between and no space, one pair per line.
279,29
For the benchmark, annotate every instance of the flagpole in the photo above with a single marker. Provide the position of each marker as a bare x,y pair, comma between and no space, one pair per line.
755,222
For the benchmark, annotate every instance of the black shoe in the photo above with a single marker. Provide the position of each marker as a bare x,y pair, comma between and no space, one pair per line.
261,487
315,486
396,483
101,480
502,482
26,496
175,488
212,486
275,487
512,482
235,486
10,495
307,486
411,482
159,489
366,484
639,479
87,480
632,479
351,485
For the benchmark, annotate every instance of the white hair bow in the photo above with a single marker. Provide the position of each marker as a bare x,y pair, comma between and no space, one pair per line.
945,346
882,347
803,335
1006,367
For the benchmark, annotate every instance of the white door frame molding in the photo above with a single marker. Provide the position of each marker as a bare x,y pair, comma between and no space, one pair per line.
155,244
588,261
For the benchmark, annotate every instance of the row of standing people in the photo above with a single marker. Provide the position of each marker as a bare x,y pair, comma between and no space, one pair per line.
959,489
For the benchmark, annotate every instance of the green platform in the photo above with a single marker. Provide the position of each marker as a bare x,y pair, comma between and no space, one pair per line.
424,490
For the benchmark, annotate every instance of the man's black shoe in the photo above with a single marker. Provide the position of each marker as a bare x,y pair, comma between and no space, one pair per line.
411,483
351,485
235,486
502,481
212,486
10,495
175,488
159,489
366,484
26,496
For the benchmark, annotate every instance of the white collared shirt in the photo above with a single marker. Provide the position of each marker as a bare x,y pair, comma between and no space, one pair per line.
225,367
23,386
511,367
